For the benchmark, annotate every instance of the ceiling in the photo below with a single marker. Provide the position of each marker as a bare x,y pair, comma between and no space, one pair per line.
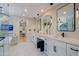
31,9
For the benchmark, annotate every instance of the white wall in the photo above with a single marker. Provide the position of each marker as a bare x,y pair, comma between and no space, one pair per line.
75,34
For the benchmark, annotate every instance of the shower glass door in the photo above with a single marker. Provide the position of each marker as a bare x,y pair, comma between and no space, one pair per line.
4,47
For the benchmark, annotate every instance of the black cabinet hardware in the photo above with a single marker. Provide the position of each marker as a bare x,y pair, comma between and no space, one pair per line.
74,49
54,48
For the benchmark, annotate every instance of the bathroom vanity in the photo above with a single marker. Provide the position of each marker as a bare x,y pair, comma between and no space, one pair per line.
54,46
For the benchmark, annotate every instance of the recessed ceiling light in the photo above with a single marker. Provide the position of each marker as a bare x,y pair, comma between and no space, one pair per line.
42,10
25,10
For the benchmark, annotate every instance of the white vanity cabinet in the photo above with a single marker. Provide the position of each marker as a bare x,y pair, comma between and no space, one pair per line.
55,48
48,47
58,48
72,50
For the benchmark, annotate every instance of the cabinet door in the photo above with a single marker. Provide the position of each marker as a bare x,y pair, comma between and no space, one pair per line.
55,48
48,46
72,50
59,48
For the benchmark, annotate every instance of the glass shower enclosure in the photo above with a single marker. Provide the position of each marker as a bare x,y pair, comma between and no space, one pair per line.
4,33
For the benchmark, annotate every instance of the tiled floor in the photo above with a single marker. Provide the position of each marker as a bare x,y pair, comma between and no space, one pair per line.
24,49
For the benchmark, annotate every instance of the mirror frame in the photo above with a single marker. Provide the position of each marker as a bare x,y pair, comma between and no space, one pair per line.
73,20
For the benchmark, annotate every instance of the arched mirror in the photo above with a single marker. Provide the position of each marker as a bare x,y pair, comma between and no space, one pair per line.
46,23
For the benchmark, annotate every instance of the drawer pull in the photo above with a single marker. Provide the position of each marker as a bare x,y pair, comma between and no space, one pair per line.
54,48
74,50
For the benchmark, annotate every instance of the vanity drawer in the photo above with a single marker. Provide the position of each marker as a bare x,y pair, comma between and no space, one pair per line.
72,50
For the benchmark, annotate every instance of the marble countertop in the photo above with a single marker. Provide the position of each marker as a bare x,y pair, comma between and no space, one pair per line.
66,40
